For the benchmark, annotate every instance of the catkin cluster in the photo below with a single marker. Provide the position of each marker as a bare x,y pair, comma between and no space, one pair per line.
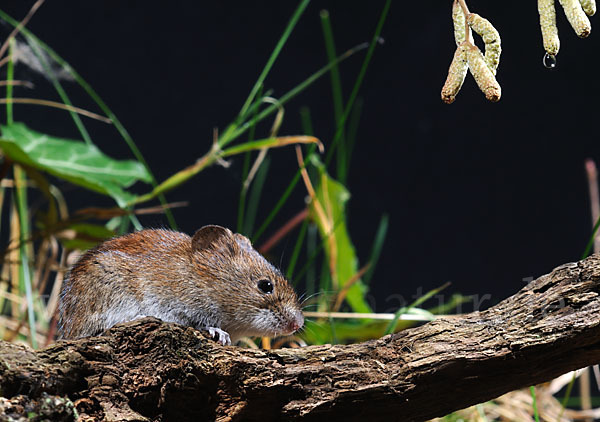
468,56
577,12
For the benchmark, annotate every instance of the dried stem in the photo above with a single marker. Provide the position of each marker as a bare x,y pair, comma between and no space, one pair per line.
55,104
283,231
20,26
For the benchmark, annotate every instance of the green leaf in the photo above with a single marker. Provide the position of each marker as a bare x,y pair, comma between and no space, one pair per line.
333,197
74,161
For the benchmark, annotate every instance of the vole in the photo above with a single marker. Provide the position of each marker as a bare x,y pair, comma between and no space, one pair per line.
214,281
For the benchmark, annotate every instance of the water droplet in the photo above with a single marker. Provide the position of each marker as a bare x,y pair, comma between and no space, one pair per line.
549,61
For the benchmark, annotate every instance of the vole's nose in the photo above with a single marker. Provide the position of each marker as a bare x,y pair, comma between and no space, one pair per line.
296,322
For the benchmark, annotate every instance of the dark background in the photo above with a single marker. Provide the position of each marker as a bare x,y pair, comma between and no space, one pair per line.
479,194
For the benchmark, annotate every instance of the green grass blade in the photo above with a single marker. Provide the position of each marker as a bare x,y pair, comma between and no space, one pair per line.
24,234
307,128
565,400
245,170
280,202
339,250
334,339
286,33
296,252
336,88
21,204
450,305
123,226
10,73
96,98
289,95
352,132
311,251
481,413
359,79
325,285
377,246
392,325
255,194
243,191
590,243
306,121
535,408
234,131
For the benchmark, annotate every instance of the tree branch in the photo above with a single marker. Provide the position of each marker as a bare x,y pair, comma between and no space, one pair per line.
148,370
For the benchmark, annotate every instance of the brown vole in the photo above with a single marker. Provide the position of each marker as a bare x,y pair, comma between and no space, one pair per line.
214,281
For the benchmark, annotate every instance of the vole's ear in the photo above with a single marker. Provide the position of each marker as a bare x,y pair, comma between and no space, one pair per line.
214,238
243,241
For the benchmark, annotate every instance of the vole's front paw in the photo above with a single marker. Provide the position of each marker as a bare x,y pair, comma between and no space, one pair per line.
219,335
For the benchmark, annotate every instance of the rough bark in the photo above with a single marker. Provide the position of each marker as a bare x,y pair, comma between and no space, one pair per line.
149,370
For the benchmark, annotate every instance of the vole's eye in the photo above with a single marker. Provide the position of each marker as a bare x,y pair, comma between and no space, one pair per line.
265,286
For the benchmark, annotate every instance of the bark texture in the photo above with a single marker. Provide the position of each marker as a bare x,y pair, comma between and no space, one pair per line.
149,370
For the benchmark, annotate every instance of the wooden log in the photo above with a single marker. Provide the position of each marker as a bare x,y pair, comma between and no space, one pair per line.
150,370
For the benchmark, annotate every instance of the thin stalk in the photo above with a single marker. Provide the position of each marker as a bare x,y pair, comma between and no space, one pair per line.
325,283
311,247
62,93
10,73
24,271
255,193
311,150
590,243
123,225
245,169
313,250
280,202
336,88
283,231
334,339
359,79
307,127
592,174
372,315
21,204
466,12
243,192
286,33
234,131
565,400
297,248
535,408
54,104
392,325
9,113
20,25
303,85
352,131
377,247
